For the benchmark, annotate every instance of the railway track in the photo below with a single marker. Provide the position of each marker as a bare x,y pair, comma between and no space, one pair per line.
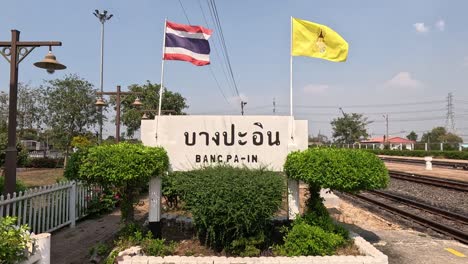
442,221
438,163
434,181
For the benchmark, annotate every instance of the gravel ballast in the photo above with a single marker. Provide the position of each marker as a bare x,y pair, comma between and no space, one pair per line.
454,201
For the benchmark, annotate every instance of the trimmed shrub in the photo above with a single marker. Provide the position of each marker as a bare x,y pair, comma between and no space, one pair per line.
14,240
231,204
304,239
125,167
463,155
339,169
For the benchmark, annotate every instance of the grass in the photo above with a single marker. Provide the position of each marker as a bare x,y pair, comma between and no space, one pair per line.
39,177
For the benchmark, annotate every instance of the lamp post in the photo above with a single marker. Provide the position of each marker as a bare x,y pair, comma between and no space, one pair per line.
118,94
15,51
103,17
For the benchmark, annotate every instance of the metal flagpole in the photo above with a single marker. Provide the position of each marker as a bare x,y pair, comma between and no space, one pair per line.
154,215
162,70
290,74
293,185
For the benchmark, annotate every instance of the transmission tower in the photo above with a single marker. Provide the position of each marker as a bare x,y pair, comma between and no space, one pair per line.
450,118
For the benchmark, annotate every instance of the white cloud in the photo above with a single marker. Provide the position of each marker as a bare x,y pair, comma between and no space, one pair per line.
403,80
315,88
440,25
421,28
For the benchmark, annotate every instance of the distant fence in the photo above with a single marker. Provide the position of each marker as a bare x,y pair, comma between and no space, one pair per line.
48,208
45,154
416,146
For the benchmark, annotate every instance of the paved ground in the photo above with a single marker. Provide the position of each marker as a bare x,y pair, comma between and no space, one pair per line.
72,245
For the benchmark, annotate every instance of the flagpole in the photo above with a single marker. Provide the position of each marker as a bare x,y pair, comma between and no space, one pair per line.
155,194
162,68
290,75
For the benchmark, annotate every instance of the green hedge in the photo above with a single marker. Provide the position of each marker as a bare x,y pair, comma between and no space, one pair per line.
463,155
44,163
339,169
231,207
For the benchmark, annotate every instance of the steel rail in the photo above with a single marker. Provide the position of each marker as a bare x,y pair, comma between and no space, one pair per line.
434,181
422,206
441,228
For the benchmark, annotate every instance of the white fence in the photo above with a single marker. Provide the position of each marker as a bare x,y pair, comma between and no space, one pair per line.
48,208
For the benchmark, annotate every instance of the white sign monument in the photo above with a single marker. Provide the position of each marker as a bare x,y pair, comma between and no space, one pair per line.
252,141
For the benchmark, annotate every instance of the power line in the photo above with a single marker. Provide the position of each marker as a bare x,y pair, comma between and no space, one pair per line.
217,22
183,10
371,105
209,66
216,49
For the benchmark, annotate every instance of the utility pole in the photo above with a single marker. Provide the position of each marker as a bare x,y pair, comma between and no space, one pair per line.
14,52
103,17
242,107
274,106
386,128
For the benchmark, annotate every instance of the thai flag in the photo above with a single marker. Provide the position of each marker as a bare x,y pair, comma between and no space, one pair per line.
187,43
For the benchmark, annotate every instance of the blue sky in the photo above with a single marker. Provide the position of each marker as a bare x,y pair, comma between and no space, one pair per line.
401,52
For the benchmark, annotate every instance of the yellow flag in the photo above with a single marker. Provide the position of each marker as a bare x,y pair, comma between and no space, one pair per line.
316,40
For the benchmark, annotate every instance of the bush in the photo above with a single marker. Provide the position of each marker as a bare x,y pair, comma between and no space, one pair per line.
149,245
230,204
14,241
44,163
339,169
304,239
170,192
463,155
125,167
72,169
20,186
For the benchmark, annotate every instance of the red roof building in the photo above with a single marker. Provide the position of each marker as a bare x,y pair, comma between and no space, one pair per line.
391,140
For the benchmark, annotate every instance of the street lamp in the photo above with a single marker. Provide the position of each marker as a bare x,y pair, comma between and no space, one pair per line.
100,103
15,51
103,17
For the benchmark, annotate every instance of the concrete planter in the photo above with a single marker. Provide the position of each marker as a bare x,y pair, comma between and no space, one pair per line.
371,256
40,249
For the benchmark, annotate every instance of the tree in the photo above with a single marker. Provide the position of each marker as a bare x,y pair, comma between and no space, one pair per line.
70,108
319,139
412,136
440,135
350,128
31,110
131,117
